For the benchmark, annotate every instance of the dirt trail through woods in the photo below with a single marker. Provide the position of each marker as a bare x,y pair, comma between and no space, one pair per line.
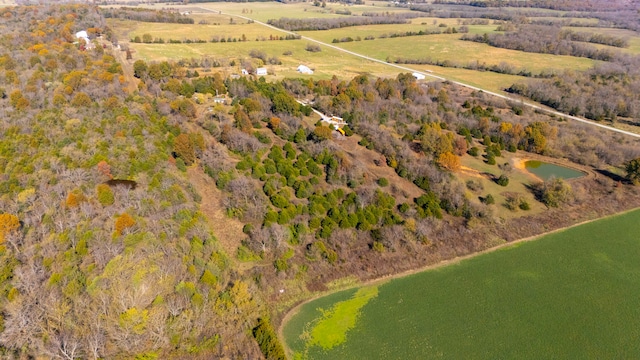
227,230
127,68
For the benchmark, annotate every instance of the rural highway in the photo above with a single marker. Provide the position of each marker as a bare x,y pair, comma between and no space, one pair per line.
430,74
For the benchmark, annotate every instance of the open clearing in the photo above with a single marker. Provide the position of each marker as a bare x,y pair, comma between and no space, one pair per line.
570,294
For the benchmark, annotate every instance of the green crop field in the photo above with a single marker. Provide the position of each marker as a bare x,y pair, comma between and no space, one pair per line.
574,294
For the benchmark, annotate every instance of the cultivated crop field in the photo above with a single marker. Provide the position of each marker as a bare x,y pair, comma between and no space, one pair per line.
570,294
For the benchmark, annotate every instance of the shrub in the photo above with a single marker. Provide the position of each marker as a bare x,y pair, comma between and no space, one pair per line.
383,182
503,180
105,195
489,199
267,339
181,165
474,151
322,133
474,185
313,48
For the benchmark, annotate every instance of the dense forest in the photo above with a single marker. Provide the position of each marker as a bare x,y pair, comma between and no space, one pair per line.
107,249
92,266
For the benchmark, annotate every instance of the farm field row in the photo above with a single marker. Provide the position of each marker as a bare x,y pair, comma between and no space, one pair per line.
570,294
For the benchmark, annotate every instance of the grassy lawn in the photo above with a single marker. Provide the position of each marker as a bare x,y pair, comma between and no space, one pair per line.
572,294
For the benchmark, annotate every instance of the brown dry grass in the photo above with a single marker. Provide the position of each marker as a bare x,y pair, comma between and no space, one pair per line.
227,230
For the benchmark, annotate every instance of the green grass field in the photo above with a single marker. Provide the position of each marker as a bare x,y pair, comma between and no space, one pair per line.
182,32
449,47
518,182
574,294
325,63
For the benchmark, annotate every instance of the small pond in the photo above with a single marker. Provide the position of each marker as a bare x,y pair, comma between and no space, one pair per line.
545,170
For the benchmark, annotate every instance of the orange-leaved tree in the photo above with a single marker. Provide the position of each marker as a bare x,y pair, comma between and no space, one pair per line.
184,149
449,161
8,224
104,169
123,222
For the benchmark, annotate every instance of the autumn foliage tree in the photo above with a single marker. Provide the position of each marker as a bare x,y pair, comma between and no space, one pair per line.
449,161
8,224
123,222
322,133
184,149
105,169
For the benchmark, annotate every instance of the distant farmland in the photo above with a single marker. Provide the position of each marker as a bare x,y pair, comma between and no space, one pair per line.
571,294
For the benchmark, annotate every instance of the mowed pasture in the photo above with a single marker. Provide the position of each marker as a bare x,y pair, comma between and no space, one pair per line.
206,32
631,36
264,11
571,294
481,79
386,30
449,47
326,63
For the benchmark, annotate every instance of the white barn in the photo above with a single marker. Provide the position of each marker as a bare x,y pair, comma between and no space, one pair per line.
303,69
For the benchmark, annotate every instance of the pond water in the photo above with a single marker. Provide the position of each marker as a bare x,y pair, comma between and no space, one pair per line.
119,182
545,170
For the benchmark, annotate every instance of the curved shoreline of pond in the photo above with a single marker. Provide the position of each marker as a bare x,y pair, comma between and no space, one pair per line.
296,308
519,163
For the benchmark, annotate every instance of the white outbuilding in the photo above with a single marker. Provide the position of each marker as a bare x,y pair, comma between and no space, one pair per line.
303,69
418,76
261,71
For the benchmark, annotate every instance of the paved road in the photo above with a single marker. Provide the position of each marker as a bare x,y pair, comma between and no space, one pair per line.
429,74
